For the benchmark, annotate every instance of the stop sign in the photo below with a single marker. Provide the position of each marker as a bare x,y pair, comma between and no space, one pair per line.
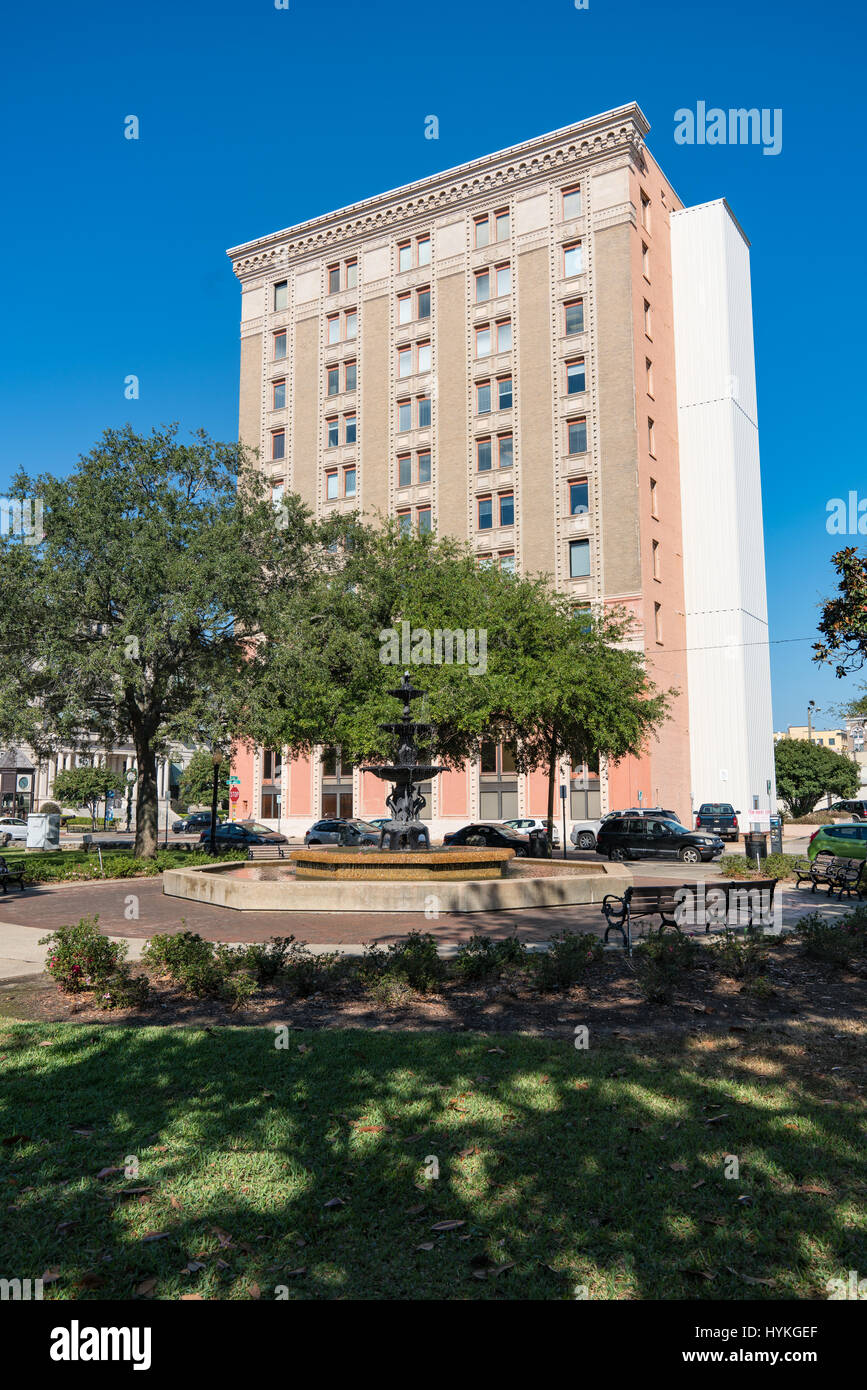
234,793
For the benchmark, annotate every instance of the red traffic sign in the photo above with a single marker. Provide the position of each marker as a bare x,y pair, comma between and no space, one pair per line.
234,793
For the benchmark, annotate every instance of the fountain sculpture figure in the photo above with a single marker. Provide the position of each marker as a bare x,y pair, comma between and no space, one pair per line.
405,801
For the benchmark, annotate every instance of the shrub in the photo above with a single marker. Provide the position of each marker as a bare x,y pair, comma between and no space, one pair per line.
659,963
775,866
283,958
80,957
50,808
835,941
124,991
187,959
414,961
567,957
483,957
741,959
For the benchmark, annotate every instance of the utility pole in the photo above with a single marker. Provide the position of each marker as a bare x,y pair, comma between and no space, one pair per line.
812,708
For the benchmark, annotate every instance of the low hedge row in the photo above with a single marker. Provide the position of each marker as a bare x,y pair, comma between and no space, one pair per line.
69,866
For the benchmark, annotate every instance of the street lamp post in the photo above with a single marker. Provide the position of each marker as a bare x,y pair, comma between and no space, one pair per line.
812,708
217,758
130,777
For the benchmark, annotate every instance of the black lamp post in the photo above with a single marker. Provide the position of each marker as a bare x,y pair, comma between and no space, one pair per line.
217,758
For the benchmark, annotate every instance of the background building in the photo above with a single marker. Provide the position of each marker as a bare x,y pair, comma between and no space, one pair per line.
491,352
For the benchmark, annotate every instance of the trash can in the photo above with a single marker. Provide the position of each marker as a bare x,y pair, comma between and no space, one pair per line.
776,834
756,845
540,845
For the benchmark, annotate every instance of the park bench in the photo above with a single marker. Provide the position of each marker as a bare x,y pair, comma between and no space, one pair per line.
267,851
8,876
746,903
840,873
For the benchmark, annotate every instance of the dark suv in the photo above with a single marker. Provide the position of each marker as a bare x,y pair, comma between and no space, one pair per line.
200,820
719,817
856,809
649,837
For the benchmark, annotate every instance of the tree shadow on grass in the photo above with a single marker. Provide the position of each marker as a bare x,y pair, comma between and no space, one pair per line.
599,1169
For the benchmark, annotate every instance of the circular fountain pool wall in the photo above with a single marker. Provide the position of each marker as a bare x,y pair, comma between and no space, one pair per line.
383,866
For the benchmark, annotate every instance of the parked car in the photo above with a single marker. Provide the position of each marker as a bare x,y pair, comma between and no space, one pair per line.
855,810
12,828
584,832
242,833
491,835
187,825
653,837
849,841
525,824
719,817
342,831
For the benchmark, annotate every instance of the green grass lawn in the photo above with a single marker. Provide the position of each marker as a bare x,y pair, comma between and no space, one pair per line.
601,1168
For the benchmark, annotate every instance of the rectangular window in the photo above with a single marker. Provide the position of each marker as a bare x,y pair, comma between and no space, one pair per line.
404,361
578,497
423,303
404,308
571,203
278,396
501,225
507,509
404,470
504,279
404,521
657,621
504,335
483,455
483,398
278,444
351,274
648,367
574,315
424,467
423,250
404,416
651,436
483,340
483,286
349,429
415,253
504,392
424,412
349,480
424,519
423,364
576,379
333,381
350,372
485,513
333,279
404,256
645,260
573,259
279,346
578,436
506,450
333,429
281,295
333,322
579,559
655,561
332,486
483,231
645,210
351,321
654,498
507,561
647,320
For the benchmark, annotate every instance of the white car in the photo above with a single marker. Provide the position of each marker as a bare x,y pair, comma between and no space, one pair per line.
525,824
11,828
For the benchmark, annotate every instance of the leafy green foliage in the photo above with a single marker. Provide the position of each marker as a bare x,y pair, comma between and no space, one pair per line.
837,940
413,962
774,866
808,771
86,786
742,958
197,781
566,959
485,957
660,961
81,959
843,624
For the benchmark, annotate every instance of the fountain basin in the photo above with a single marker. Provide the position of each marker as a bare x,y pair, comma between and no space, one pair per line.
384,866
275,887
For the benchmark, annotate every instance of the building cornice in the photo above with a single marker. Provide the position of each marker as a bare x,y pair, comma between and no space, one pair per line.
597,137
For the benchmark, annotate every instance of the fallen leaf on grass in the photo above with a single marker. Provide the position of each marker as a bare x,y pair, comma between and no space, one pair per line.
135,1191
415,1211
334,1202
426,1245
193,1267
108,1172
154,1235
700,1183
448,1225
369,1129
51,1276
146,1287
91,1281
714,1119
678,1167
63,1226
176,1203
501,1050
191,1298
707,1274
15,1139
254,1291
748,1278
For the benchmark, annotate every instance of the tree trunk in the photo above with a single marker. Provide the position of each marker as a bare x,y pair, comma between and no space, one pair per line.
147,802
552,779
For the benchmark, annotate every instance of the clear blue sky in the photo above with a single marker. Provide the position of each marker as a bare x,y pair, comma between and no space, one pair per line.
253,118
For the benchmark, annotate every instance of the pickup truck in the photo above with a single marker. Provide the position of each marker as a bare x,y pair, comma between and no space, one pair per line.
719,817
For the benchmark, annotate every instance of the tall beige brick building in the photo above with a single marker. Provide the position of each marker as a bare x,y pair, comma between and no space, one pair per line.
489,352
